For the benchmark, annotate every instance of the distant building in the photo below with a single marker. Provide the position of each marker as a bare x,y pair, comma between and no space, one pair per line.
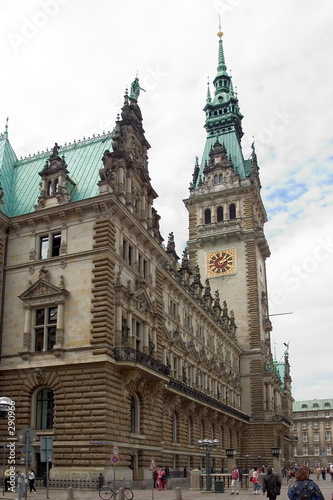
108,339
313,421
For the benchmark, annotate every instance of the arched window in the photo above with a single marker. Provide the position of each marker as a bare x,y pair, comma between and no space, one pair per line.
219,214
207,216
220,178
135,414
44,409
232,211
174,428
216,179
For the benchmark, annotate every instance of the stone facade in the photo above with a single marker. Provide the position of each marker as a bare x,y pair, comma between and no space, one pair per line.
108,340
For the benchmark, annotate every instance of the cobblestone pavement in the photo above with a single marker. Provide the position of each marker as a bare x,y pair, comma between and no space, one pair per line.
148,494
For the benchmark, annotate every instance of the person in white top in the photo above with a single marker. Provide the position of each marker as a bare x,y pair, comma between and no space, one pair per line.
31,477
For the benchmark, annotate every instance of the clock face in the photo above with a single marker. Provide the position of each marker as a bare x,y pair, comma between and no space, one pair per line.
221,263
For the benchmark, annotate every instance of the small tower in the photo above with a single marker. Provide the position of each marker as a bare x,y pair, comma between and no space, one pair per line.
56,186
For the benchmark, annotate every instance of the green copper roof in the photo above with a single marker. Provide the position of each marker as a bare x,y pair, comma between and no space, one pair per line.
313,405
7,160
223,121
281,369
20,178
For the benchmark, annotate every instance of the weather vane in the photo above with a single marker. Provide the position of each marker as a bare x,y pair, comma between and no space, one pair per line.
220,33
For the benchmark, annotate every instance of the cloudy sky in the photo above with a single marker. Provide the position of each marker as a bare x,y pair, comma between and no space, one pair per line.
67,63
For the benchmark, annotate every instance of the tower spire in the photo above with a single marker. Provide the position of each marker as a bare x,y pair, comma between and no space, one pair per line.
209,98
6,129
221,62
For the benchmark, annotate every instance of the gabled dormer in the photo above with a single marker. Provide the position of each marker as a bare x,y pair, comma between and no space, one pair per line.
56,187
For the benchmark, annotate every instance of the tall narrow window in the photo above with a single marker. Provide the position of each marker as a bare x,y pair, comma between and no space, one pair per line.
232,211
135,414
174,428
207,216
44,413
137,332
220,214
45,328
201,430
189,431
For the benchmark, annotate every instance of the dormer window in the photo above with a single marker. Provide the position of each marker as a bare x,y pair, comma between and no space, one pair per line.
56,186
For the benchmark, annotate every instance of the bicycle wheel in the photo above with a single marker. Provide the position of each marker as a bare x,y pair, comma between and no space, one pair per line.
105,493
128,493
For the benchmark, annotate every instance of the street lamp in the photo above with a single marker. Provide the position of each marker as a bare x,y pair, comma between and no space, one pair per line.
208,445
5,405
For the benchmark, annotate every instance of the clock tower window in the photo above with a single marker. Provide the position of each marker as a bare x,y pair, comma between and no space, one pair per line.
232,211
208,217
219,214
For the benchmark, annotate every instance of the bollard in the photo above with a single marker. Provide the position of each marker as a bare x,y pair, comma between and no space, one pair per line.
70,493
121,494
143,485
169,485
178,492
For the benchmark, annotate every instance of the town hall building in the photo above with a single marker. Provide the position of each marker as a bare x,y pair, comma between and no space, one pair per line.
108,337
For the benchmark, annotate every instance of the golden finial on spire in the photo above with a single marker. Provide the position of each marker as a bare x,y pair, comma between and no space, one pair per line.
220,33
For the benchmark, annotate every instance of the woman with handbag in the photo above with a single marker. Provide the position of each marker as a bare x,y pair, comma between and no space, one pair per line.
255,481
271,484
161,478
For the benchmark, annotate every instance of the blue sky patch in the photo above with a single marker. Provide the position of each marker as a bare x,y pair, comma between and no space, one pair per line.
289,193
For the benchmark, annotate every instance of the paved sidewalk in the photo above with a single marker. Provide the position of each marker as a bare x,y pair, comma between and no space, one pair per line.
186,494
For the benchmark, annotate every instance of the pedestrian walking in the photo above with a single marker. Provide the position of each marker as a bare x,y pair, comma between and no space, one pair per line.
271,484
234,480
304,488
7,477
255,481
21,484
161,479
31,477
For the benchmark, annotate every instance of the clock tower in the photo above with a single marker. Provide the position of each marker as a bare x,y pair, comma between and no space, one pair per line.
227,243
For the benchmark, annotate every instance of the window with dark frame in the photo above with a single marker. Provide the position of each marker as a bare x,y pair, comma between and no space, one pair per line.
219,214
44,409
232,211
50,245
207,216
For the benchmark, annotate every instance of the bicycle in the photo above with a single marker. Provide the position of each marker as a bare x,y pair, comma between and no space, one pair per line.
107,492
